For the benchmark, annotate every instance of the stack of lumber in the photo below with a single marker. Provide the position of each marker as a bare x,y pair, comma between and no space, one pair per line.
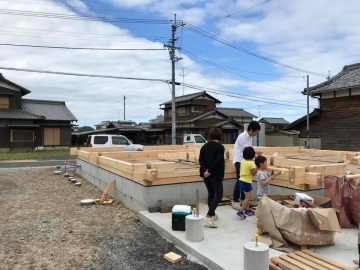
305,260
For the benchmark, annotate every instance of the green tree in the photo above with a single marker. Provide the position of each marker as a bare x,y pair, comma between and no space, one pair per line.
85,128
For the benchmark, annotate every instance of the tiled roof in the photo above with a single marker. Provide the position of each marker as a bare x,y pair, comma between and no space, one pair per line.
227,121
349,77
125,125
18,114
190,97
52,110
234,112
274,120
315,112
23,90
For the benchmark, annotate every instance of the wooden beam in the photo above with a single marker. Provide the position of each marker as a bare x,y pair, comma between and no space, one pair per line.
107,190
315,260
164,167
276,170
306,262
298,264
151,175
320,257
329,169
286,163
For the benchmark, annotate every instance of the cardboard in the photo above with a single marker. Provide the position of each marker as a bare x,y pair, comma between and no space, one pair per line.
294,224
324,219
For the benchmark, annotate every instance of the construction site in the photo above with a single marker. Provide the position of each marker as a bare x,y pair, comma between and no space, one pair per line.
152,181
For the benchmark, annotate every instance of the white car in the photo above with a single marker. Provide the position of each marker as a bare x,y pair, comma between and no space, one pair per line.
194,139
111,140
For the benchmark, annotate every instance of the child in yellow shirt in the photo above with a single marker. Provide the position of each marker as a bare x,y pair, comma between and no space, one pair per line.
247,171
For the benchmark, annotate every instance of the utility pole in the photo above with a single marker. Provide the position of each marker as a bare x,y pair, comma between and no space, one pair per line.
124,107
173,59
259,111
307,115
183,75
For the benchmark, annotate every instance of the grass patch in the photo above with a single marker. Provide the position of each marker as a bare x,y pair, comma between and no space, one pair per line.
36,155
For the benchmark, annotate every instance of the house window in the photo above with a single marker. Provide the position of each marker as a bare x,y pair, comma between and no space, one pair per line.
4,102
197,108
51,136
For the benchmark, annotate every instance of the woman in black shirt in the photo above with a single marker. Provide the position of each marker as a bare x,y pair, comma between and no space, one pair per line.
212,169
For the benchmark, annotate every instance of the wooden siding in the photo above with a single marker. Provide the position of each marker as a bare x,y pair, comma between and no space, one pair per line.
338,125
51,136
14,97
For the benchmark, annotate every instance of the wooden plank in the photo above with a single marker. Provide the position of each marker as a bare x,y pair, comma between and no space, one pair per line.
322,258
154,209
285,177
172,257
297,172
329,169
106,191
306,262
287,163
273,266
310,178
286,264
151,175
164,167
295,262
315,260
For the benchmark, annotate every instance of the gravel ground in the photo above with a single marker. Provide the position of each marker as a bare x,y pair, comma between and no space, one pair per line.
42,226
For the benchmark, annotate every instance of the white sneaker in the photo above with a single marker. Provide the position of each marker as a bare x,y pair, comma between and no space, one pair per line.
210,221
235,205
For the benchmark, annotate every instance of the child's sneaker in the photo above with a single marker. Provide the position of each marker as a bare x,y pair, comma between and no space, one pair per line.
249,212
240,215
210,221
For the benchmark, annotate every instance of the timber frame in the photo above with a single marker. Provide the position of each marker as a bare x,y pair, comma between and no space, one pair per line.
163,165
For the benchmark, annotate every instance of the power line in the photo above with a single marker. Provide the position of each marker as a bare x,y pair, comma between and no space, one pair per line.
81,33
59,5
232,14
30,13
142,105
243,96
82,74
234,46
216,65
247,71
77,48
84,38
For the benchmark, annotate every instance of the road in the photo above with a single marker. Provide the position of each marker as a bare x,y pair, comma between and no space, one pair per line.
39,163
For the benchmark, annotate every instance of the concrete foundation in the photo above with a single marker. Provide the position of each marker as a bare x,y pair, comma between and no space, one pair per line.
138,197
256,256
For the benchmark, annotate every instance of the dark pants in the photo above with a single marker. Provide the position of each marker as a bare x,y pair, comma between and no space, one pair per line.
215,194
238,193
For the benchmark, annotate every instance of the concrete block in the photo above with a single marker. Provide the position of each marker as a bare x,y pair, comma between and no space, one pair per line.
256,256
194,228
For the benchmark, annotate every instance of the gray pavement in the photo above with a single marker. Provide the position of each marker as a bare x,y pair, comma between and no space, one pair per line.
38,163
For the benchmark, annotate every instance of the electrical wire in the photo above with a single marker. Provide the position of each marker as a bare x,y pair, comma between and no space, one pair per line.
211,36
247,71
82,33
232,14
83,74
77,48
30,13
243,96
99,9
218,66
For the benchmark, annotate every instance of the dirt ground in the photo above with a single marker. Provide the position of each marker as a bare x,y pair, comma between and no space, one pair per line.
43,226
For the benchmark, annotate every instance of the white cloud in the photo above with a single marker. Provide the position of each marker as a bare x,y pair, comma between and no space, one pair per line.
90,99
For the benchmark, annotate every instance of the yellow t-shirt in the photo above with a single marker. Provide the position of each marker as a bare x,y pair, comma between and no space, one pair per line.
245,170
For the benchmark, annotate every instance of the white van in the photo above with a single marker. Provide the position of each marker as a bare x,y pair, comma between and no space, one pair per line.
194,139
111,140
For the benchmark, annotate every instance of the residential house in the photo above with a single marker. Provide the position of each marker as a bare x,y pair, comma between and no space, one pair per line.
128,128
30,123
195,113
102,125
336,124
274,123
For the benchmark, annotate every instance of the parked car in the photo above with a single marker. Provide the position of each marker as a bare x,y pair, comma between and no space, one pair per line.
105,140
194,139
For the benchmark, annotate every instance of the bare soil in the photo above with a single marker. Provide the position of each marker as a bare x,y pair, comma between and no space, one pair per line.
43,226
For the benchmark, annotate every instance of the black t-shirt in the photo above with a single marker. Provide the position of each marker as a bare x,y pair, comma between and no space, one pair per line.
212,159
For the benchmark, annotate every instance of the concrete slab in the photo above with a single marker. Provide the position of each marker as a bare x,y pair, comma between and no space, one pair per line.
222,247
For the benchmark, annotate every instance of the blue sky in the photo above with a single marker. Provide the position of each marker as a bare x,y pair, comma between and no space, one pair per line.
315,37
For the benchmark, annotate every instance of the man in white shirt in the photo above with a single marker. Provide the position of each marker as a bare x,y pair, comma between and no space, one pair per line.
242,141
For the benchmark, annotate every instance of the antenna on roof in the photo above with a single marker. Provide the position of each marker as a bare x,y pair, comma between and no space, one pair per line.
328,77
